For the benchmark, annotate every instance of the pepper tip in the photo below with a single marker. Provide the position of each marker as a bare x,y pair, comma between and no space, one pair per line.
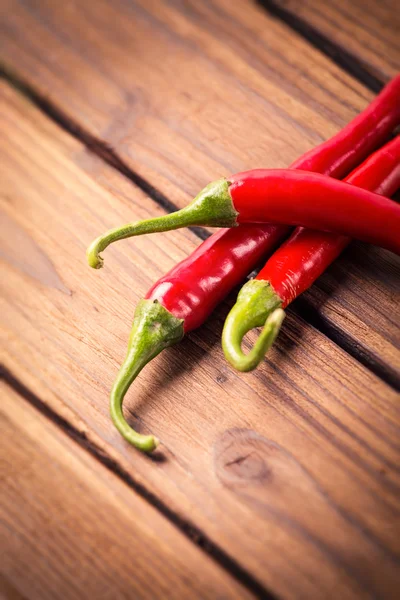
148,445
93,257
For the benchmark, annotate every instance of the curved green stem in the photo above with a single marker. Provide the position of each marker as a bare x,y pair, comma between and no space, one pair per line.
257,305
154,328
212,207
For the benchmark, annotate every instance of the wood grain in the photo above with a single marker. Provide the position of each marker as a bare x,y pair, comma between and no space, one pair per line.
71,529
368,29
186,92
292,470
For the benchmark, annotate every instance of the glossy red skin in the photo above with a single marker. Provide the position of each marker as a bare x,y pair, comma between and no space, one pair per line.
295,266
317,202
194,287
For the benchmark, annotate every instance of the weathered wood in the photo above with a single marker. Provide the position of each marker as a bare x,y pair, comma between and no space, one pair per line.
292,470
187,92
369,30
71,529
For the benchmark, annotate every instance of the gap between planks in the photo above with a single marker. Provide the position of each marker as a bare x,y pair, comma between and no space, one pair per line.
110,156
72,529
191,531
339,55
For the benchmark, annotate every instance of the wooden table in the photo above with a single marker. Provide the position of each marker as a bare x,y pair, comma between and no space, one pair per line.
279,483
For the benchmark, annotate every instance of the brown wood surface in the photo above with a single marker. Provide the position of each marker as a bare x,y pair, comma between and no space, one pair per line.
186,92
292,470
71,529
367,29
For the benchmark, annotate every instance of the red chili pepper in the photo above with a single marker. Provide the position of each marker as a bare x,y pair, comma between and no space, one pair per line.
290,198
185,297
295,266
336,158
359,138
315,201
182,300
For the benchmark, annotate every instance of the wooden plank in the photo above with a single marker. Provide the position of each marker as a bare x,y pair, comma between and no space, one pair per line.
357,299
292,470
249,93
112,66
369,30
72,529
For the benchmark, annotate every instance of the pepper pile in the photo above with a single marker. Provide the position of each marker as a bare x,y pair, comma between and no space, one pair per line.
256,210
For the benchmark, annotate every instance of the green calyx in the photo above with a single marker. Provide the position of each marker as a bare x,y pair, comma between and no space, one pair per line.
257,305
154,328
213,207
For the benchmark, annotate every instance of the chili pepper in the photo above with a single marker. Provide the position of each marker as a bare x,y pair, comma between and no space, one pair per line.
295,266
359,138
336,157
183,299
287,197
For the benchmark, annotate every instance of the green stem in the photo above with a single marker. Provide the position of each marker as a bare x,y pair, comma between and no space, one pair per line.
154,328
212,207
257,305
